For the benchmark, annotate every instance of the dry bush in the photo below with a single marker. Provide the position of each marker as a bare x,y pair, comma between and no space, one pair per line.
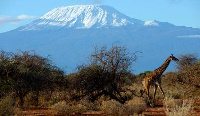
177,108
29,100
186,80
47,99
136,87
173,85
91,106
170,102
63,108
132,107
182,110
7,106
112,108
136,105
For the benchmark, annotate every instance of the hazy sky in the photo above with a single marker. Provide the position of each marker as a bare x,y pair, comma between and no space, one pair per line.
15,13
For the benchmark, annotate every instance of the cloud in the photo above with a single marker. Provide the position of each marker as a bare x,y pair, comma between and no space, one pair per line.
22,17
14,20
189,36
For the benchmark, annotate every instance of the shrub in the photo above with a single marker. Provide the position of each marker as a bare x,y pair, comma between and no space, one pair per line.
112,108
7,106
180,108
63,108
90,105
170,102
136,105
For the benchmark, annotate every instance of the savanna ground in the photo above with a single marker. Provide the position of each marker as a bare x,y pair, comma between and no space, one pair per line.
173,105
32,85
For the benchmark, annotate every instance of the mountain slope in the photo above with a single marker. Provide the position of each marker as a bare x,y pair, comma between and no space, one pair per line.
69,34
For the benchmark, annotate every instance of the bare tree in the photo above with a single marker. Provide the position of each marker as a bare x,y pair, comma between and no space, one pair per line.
187,61
113,60
105,73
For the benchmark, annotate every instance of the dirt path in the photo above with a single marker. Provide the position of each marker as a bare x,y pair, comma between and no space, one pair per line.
158,111
36,112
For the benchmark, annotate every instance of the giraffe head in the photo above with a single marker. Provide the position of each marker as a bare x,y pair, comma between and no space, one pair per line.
173,58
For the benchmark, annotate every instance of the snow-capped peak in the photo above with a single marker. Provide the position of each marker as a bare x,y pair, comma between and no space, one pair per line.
82,16
151,23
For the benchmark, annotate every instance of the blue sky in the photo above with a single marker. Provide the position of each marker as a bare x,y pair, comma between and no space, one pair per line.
15,13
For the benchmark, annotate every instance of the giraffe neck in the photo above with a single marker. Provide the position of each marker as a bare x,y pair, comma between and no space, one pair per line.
162,68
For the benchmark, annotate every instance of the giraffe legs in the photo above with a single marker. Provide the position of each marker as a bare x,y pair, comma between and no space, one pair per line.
147,93
161,90
146,89
154,96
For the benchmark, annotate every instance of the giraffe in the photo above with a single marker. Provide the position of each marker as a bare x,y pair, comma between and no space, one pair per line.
154,79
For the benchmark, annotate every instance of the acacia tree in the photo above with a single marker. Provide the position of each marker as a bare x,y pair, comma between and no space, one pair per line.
187,61
105,73
26,72
6,71
189,70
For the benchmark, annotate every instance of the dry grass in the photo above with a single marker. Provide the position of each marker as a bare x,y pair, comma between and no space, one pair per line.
136,105
175,107
45,99
63,108
170,102
113,108
91,106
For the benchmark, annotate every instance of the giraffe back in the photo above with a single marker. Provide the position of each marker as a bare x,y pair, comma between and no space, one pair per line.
152,79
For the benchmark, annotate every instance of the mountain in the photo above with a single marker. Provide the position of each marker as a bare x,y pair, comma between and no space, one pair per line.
81,17
69,34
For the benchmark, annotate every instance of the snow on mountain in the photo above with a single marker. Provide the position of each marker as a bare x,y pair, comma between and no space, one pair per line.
82,16
151,23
